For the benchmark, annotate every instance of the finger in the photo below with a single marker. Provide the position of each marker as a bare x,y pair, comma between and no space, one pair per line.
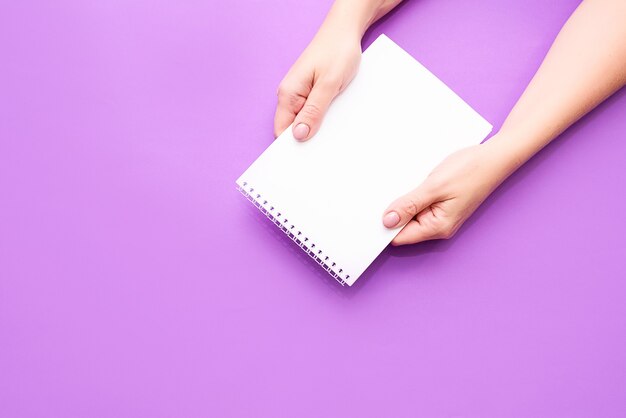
431,223
288,106
309,118
415,232
402,210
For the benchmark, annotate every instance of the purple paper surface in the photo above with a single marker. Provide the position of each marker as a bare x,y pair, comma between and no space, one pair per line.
135,281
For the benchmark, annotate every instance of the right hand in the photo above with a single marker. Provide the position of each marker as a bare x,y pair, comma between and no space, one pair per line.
323,70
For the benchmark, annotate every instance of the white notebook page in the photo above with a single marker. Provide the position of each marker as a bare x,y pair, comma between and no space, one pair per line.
380,139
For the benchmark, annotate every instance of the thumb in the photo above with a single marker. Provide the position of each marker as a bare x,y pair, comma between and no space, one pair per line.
309,119
405,208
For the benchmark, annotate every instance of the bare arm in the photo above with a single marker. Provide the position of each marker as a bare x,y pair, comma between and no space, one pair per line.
358,15
585,65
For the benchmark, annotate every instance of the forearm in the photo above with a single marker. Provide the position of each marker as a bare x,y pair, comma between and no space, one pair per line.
354,17
585,65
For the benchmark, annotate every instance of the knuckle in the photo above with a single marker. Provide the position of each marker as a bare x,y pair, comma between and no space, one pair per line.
285,90
412,205
311,111
282,89
448,231
290,99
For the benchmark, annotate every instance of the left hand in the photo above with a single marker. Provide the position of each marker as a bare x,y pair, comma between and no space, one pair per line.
450,194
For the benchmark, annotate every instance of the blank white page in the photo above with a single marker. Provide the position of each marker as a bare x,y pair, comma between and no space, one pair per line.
380,139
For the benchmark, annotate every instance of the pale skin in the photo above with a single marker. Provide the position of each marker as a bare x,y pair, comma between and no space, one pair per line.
585,65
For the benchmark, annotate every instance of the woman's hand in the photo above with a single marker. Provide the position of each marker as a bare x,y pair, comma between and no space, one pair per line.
450,194
326,66
585,65
323,70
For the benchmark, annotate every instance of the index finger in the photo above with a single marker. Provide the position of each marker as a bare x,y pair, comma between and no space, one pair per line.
288,106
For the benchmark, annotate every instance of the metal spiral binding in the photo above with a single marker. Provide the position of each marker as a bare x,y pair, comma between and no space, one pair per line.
280,220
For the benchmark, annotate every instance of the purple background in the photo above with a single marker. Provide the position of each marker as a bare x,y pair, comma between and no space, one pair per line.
137,282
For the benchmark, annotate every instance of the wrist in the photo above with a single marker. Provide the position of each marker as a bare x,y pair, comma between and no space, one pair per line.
505,154
352,17
339,29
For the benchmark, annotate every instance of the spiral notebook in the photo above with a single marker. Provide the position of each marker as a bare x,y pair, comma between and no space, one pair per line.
380,139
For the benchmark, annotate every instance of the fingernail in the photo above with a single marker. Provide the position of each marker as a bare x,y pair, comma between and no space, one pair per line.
391,219
301,131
